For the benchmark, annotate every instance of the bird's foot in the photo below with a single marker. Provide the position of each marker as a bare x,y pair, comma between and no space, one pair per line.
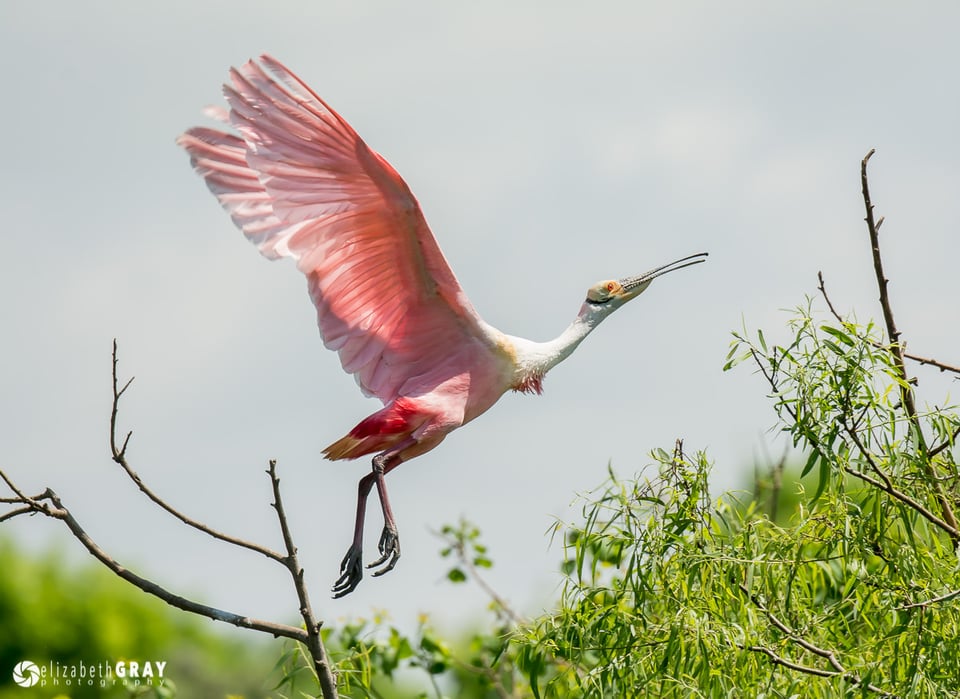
351,573
351,568
389,551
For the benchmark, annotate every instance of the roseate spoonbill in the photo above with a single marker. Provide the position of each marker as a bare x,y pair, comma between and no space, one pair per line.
300,183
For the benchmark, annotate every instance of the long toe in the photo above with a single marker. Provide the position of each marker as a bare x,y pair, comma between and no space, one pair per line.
389,552
351,573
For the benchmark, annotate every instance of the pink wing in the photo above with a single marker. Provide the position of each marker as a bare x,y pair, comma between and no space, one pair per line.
301,183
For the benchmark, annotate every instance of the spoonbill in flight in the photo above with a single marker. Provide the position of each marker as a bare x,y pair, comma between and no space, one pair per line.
300,183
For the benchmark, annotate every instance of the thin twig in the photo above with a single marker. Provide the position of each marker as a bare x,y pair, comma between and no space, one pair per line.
789,664
19,493
189,521
114,450
936,600
862,448
119,456
25,510
458,544
495,597
945,444
823,291
942,366
481,582
314,641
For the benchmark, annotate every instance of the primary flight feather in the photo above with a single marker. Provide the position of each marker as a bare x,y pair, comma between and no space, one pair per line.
300,183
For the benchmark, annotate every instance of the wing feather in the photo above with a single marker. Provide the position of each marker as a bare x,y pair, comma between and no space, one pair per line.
300,183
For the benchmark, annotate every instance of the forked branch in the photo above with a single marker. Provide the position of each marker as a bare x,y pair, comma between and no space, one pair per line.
49,504
119,455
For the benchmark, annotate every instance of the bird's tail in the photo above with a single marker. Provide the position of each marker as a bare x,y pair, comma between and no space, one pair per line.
380,431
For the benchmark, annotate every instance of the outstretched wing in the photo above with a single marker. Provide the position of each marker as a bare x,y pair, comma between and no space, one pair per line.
299,182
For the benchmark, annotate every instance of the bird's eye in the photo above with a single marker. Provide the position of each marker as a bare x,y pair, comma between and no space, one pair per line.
602,293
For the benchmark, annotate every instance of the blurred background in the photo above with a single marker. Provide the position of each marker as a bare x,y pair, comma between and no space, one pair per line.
550,147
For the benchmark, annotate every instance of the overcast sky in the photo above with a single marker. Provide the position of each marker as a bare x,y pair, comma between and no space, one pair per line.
549,148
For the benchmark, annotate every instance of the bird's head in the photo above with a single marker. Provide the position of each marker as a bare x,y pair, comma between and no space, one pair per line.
603,298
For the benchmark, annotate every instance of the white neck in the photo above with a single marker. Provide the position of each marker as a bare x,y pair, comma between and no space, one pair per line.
535,359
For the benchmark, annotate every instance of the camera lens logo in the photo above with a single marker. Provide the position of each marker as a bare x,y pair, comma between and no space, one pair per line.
26,674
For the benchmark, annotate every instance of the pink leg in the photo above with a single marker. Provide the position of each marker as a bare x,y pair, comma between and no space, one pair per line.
351,568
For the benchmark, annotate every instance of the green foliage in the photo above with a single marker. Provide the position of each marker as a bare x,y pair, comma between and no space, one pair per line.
72,615
855,593
672,594
463,544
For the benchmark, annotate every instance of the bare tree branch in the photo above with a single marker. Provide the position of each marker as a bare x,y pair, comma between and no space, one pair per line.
873,228
936,600
50,505
896,348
